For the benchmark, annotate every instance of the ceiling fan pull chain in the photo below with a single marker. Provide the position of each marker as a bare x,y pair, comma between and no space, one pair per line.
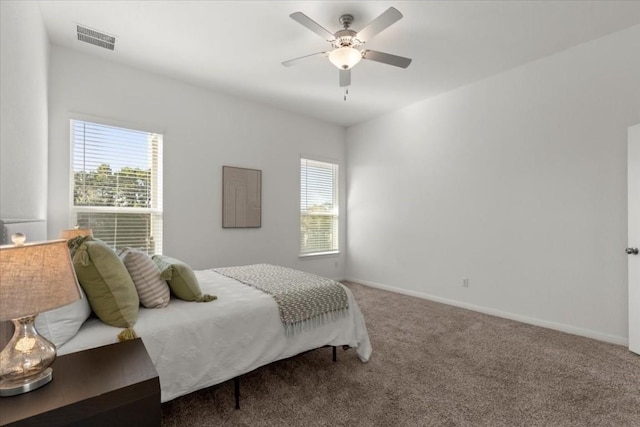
346,92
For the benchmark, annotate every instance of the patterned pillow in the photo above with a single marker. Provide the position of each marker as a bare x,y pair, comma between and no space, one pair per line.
152,289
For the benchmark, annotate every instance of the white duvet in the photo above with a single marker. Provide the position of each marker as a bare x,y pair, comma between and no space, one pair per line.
196,345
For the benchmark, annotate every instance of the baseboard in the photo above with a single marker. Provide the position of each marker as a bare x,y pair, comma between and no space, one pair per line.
613,339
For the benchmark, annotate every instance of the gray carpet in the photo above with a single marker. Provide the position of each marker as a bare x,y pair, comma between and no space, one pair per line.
433,364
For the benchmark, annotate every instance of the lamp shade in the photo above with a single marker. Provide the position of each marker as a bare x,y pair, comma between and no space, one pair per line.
345,57
36,277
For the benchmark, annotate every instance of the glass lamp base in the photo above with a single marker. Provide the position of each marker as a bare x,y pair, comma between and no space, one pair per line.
25,360
12,388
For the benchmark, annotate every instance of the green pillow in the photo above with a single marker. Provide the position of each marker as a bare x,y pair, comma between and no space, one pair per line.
106,281
181,279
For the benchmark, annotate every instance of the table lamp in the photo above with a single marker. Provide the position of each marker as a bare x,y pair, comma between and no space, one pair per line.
34,277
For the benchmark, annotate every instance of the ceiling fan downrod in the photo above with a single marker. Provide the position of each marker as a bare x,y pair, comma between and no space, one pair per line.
346,20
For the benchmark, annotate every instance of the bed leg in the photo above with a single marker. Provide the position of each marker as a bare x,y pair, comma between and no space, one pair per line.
236,391
335,357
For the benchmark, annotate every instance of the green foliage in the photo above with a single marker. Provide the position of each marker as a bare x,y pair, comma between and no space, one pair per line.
120,230
317,233
129,187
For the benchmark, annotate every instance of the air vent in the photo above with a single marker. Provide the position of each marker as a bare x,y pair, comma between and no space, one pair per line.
95,37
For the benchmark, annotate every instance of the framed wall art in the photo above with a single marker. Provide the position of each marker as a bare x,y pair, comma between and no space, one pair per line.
241,197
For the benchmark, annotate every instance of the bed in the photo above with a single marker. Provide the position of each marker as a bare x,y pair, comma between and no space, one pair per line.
197,345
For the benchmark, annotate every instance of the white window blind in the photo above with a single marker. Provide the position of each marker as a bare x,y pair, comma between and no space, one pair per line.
117,185
318,207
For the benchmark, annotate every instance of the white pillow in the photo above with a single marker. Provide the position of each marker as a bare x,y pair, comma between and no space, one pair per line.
152,289
61,324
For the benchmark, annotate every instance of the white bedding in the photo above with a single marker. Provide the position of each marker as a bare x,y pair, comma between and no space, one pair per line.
196,345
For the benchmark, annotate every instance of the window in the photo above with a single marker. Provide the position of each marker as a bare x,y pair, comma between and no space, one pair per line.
117,185
318,207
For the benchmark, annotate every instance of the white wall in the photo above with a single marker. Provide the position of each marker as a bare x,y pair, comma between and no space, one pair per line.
202,132
24,57
517,182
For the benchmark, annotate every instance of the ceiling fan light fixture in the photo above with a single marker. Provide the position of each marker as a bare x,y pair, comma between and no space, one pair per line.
345,57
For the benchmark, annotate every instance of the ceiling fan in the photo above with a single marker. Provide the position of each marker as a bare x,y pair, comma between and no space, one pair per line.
346,43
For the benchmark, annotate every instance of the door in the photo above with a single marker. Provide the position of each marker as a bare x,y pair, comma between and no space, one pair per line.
633,188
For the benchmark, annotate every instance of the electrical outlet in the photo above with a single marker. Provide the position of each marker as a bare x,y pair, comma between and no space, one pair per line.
465,282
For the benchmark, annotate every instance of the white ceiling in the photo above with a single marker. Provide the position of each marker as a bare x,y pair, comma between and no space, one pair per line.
236,47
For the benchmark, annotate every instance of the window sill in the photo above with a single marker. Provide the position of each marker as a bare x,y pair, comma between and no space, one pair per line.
318,254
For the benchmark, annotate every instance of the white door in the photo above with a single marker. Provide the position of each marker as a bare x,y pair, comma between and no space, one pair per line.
633,188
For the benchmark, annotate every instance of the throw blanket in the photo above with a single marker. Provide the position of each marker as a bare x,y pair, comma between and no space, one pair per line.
304,299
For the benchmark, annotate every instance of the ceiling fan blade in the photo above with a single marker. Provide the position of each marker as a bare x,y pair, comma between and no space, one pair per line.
386,58
303,19
345,77
294,61
383,21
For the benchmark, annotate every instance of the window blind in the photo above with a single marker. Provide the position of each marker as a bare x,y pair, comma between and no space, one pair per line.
318,207
117,185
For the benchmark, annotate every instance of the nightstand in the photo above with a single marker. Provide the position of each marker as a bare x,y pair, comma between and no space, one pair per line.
114,385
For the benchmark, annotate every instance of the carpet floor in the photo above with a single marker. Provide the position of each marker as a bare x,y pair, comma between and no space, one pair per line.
432,365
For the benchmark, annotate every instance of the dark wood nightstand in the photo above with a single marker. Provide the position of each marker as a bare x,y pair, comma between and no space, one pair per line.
114,385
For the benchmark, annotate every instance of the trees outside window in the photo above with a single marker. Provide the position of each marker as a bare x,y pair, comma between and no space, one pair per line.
117,185
318,207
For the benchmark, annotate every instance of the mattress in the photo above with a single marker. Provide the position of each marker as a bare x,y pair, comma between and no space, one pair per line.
197,345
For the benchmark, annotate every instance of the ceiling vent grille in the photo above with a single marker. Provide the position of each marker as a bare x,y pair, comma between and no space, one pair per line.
95,37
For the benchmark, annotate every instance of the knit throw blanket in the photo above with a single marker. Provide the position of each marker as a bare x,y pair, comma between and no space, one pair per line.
304,299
